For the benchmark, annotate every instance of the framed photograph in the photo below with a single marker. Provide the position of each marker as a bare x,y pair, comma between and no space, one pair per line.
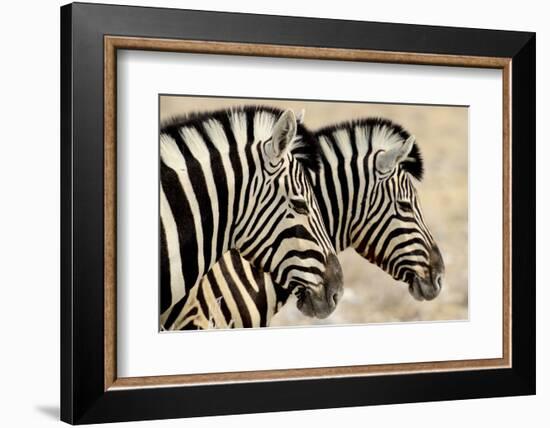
266,213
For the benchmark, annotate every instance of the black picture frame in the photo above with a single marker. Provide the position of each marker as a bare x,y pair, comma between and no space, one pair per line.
83,395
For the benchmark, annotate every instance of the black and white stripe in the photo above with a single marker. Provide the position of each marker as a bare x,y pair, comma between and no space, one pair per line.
367,197
233,179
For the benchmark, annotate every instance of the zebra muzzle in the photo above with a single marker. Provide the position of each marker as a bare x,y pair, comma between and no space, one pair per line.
320,300
428,288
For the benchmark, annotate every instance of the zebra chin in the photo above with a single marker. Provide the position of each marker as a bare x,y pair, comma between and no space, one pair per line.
320,300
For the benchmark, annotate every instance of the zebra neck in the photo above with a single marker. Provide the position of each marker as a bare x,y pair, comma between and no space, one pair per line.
216,213
328,207
343,184
199,183
336,209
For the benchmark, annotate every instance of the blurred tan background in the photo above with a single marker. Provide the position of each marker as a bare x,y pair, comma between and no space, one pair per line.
371,295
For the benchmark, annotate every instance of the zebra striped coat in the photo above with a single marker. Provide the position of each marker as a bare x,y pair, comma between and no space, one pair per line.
368,201
236,179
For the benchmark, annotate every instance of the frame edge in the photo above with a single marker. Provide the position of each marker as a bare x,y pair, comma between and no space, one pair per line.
79,396
523,220
66,316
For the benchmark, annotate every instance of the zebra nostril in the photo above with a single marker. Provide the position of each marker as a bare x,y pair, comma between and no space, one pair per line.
439,281
335,298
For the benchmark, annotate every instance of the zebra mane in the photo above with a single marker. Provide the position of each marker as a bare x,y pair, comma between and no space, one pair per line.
306,148
414,164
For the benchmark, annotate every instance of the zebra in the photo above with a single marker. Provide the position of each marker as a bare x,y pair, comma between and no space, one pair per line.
368,201
236,179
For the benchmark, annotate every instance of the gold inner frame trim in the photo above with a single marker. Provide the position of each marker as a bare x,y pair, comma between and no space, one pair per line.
113,43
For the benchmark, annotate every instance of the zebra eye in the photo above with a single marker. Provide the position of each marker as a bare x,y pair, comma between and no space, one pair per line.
299,205
404,206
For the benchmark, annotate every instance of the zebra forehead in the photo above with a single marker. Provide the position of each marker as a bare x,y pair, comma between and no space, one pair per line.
405,186
379,132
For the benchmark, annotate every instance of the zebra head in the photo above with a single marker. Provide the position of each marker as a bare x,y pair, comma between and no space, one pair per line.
283,231
393,234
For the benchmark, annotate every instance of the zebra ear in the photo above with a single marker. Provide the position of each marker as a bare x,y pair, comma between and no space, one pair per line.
284,132
387,161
